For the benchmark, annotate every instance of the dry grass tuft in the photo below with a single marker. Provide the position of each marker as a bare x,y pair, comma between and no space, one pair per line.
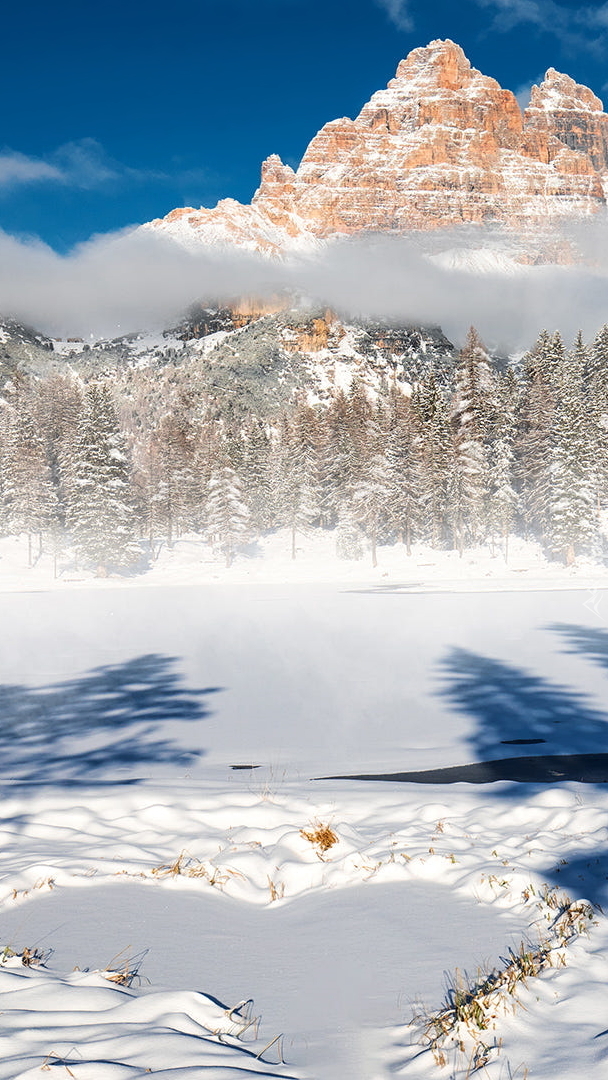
187,866
244,1019
277,889
320,836
29,957
278,1042
48,883
127,973
54,1059
472,1006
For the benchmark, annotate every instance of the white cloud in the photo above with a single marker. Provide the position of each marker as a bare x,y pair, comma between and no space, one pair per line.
578,27
138,279
510,13
522,93
398,13
82,164
17,169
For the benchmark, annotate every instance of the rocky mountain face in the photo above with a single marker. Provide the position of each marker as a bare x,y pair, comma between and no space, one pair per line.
441,145
23,350
261,367
243,362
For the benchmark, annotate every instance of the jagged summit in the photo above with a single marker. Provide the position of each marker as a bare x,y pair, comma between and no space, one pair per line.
442,144
441,61
559,90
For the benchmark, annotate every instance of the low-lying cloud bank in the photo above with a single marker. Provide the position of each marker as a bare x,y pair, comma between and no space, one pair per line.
139,279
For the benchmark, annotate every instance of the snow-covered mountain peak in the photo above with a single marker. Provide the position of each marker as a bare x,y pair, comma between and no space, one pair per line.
441,61
560,91
442,144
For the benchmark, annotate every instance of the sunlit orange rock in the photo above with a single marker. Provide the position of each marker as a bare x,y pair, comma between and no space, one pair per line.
441,145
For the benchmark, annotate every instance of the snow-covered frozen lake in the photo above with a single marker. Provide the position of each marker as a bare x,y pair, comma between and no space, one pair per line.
300,680
124,712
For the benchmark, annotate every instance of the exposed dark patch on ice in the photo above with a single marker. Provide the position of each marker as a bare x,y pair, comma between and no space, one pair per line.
547,769
521,742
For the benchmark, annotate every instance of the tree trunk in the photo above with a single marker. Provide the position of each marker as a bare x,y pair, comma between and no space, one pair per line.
460,539
293,541
373,543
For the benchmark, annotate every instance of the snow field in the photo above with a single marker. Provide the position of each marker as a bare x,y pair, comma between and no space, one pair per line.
88,1022
205,875
448,864
192,561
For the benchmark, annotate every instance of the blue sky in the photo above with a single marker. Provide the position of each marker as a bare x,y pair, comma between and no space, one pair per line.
116,113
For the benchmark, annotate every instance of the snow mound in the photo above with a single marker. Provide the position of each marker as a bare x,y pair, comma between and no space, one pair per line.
94,1029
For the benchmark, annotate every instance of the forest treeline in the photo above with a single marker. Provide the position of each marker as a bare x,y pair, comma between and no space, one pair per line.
111,467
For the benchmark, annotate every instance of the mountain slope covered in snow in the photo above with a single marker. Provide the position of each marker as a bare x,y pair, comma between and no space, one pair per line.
443,144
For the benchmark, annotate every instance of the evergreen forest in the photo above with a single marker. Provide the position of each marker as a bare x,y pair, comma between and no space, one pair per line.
111,466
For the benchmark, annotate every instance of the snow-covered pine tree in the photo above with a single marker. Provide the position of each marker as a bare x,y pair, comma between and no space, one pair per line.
404,460
99,510
208,455
28,497
227,515
174,496
503,498
348,534
372,488
435,449
596,374
556,360
577,360
361,423
295,493
334,461
473,407
309,438
596,385
57,402
573,520
537,405
344,448
256,471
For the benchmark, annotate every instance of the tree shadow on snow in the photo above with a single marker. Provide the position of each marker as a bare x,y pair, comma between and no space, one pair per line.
513,707
528,728
589,642
532,730
583,875
97,725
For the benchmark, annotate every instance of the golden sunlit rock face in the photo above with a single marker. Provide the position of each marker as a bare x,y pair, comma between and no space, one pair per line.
441,145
